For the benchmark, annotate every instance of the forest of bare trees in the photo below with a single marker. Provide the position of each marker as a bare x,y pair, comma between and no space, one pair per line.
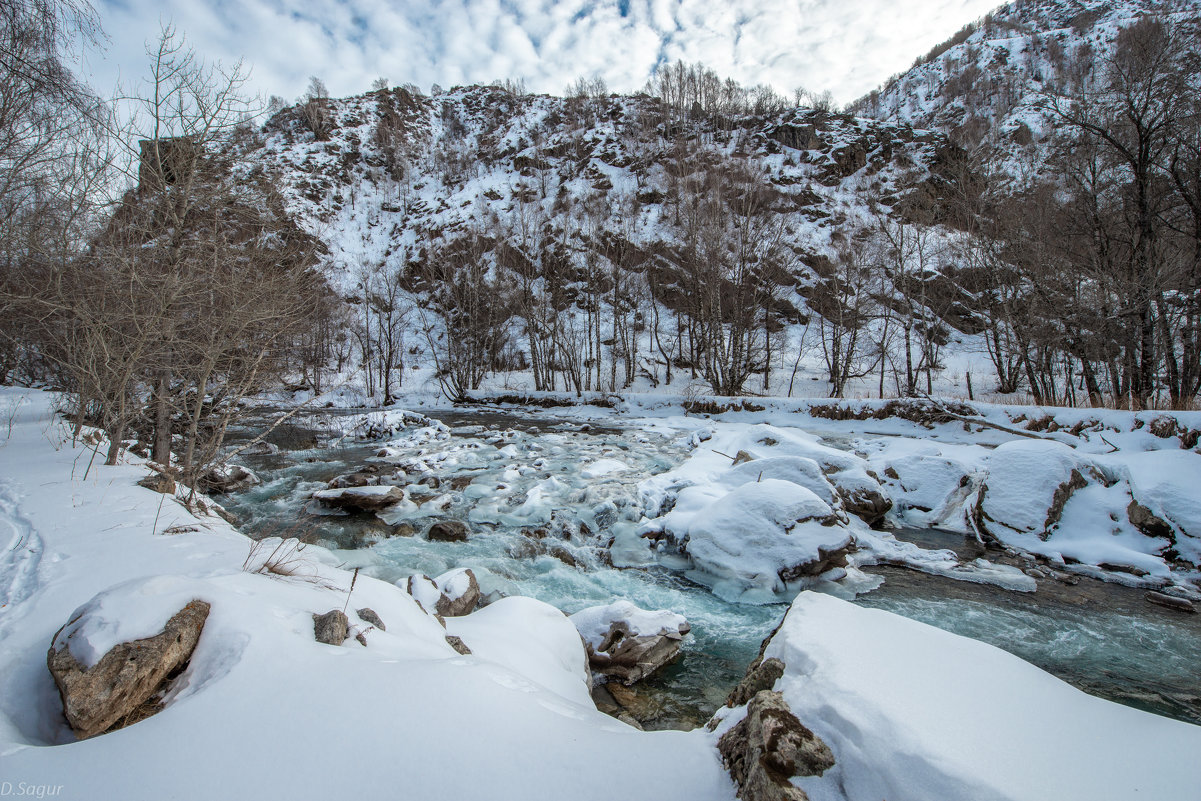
151,269
1092,270
158,308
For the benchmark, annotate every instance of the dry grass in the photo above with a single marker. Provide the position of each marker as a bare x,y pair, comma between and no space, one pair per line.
283,559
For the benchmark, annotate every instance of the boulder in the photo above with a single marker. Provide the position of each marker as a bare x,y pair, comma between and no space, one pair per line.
460,593
159,482
224,478
458,644
1170,601
361,499
120,688
453,594
770,746
331,628
868,505
447,531
628,644
368,615
359,479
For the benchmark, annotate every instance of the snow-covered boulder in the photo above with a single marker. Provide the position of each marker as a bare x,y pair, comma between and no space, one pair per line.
361,499
460,592
119,684
904,709
627,643
758,539
452,594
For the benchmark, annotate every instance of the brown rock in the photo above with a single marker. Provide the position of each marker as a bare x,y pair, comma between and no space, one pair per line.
331,628
360,499
115,691
1147,522
368,615
868,505
464,604
742,456
769,747
630,659
226,478
458,644
1170,601
759,676
447,531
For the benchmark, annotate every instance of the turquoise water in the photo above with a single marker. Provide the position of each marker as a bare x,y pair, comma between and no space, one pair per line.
539,528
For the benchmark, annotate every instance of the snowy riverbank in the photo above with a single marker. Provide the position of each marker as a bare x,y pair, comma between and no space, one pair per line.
265,711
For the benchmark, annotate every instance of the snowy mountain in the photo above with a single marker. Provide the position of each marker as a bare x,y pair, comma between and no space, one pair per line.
986,81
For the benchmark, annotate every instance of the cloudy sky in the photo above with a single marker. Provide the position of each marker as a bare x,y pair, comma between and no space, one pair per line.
845,46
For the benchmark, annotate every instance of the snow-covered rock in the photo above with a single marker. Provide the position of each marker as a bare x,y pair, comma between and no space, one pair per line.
912,713
362,499
103,687
628,643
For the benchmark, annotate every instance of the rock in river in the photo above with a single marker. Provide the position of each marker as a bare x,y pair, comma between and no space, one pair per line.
628,643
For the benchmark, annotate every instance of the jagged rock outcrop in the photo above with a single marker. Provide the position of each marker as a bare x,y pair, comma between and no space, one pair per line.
769,747
761,675
121,687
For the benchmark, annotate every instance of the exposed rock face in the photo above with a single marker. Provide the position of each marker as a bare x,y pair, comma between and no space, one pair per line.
769,747
226,478
761,675
447,531
1147,521
116,690
361,499
331,628
627,643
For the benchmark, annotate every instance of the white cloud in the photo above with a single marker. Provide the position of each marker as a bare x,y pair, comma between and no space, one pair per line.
846,46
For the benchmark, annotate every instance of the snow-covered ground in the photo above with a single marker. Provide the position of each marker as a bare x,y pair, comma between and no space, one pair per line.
265,711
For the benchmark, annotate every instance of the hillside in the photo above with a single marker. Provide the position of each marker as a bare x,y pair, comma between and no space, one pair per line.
988,80
615,210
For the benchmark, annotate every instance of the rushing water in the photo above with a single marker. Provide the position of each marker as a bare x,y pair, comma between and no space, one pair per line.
528,497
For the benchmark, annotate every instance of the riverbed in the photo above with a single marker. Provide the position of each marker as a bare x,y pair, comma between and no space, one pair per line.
546,526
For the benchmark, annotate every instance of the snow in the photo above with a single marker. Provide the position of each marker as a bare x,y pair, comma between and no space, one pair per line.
593,623
454,583
914,712
603,467
742,541
265,711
